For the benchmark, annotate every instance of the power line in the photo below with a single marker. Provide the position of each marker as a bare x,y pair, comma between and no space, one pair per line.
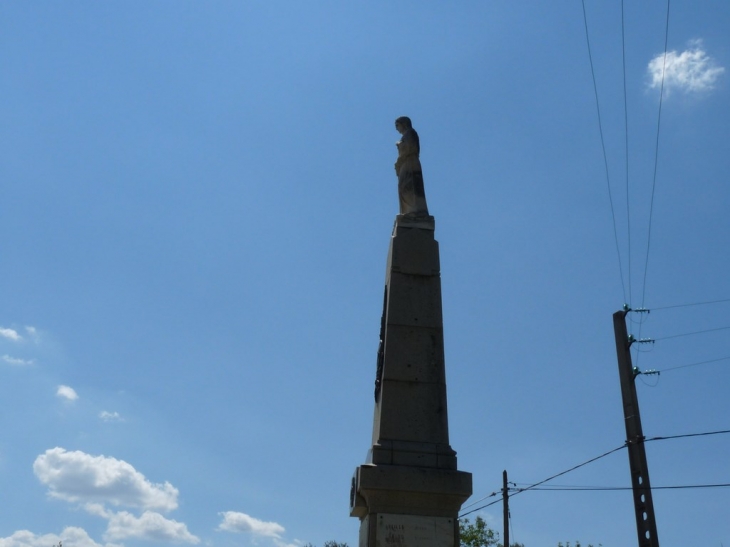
692,304
479,508
626,140
611,488
688,334
656,156
704,434
603,148
545,480
480,499
511,530
695,364
535,485
573,468
656,164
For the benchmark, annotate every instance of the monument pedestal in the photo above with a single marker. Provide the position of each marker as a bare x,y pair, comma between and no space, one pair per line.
409,491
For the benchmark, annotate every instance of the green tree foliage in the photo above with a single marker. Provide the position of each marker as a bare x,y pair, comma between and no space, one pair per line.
477,534
481,535
471,535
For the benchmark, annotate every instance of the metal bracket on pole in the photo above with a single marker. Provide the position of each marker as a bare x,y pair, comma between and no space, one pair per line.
643,504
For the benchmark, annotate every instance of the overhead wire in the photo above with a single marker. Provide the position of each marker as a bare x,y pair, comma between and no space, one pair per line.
656,155
572,468
627,160
674,336
480,499
511,529
534,486
603,148
480,508
695,364
545,480
656,167
685,435
609,488
689,334
691,304
626,140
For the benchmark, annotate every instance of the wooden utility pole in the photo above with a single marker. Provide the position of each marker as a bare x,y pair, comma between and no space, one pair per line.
505,507
643,504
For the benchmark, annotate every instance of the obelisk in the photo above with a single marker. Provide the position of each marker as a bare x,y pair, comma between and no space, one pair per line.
409,491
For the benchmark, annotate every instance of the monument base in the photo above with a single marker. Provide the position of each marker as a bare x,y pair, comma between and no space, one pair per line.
408,506
389,530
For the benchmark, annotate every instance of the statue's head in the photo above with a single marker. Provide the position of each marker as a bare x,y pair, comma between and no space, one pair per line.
405,121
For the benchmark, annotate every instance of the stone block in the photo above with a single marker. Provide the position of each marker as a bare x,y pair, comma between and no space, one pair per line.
446,461
414,251
406,221
414,531
415,459
414,301
414,354
413,490
412,453
413,411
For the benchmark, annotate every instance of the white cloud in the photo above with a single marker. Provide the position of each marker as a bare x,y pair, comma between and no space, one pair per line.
110,416
690,71
70,536
241,522
150,526
16,361
97,509
67,393
80,477
10,334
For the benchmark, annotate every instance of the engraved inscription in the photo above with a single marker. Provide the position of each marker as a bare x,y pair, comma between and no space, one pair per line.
414,531
395,534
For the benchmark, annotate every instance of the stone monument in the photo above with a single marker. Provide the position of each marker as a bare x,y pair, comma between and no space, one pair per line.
409,491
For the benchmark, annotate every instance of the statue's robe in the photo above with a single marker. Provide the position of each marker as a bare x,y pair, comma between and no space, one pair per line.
410,177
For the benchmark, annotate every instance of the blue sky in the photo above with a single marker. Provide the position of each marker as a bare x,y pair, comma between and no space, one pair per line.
195,211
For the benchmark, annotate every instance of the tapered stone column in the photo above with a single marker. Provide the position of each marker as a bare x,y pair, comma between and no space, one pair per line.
409,491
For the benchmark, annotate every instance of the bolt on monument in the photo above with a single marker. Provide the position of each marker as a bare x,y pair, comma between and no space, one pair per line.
409,491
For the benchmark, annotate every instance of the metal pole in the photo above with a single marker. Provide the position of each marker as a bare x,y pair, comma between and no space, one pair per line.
643,504
505,507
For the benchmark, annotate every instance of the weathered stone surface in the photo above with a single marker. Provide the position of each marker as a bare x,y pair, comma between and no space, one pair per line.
411,490
414,531
414,453
413,411
411,193
410,484
415,254
414,300
415,354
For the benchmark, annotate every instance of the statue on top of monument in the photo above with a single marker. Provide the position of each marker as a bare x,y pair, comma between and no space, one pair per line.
408,169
